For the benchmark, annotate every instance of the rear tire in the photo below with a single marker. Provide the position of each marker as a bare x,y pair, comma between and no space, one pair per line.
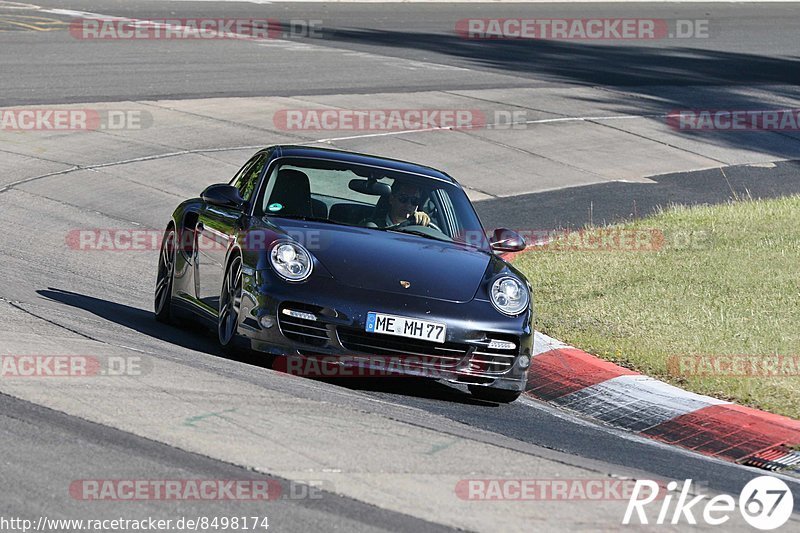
164,280
494,395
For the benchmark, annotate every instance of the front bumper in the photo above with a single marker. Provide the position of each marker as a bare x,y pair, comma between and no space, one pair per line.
337,330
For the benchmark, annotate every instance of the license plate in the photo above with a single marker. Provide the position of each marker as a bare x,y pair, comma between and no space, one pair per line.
402,326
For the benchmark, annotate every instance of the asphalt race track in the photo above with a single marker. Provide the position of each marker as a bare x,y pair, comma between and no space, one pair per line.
349,454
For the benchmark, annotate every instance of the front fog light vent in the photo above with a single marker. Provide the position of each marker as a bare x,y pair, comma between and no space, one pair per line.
501,345
300,314
303,323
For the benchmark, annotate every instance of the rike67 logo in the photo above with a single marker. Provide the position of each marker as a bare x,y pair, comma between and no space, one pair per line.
765,503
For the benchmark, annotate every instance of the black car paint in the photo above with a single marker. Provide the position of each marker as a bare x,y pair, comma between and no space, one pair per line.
449,281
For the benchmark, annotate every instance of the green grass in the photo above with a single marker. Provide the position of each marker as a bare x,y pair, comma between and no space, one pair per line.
733,290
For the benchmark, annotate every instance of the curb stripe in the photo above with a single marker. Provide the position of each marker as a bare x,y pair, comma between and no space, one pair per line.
634,402
729,431
558,369
581,382
564,371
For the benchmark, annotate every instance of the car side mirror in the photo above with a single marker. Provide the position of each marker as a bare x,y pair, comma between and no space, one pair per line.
223,195
506,240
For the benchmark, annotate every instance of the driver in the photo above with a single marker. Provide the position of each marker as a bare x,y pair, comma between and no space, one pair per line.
403,203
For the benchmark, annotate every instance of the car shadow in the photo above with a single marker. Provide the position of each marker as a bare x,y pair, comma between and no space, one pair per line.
189,335
421,388
196,337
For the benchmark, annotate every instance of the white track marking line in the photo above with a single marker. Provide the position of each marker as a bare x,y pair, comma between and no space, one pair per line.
17,5
506,125
543,340
286,44
140,159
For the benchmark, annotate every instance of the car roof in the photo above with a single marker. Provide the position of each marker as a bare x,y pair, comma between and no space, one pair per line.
358,158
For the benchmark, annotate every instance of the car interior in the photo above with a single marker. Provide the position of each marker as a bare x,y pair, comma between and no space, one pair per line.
292,192
349,196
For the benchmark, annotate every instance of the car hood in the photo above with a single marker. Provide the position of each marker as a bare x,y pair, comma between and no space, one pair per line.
380,260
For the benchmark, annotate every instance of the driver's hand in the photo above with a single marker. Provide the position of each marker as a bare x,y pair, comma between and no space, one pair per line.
421,218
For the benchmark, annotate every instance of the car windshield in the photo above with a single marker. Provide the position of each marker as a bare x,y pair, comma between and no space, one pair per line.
370,197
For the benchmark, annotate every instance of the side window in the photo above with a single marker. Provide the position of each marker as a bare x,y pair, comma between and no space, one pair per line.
247,178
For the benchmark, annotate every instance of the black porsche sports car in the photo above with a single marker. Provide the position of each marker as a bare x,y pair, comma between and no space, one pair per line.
311,252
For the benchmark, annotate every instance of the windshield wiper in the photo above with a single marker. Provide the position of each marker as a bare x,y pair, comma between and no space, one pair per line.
310,219
419,233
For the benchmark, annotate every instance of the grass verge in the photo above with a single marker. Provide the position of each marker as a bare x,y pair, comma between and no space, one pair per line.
712,304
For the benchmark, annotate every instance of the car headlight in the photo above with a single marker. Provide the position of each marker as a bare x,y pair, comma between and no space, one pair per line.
291,261
509,295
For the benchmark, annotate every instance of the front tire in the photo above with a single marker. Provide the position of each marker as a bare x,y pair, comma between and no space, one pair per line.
230,303
164,280
494,395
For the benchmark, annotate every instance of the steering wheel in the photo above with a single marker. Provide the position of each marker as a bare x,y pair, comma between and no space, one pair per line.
410,222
